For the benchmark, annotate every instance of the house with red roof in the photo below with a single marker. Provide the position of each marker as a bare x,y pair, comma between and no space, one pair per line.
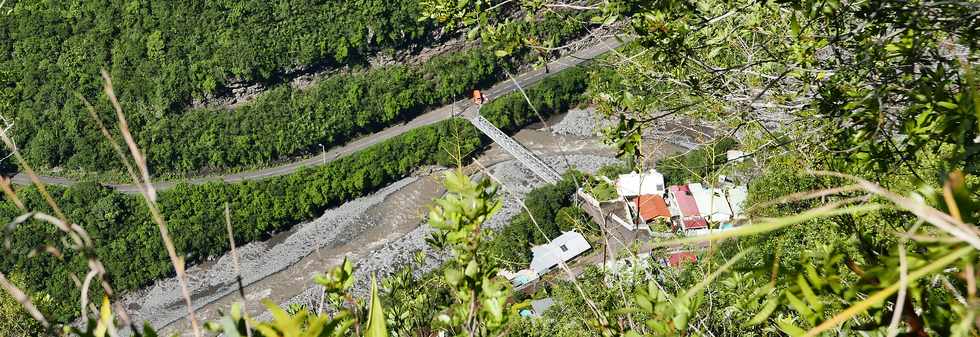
651,207
684,209
678,258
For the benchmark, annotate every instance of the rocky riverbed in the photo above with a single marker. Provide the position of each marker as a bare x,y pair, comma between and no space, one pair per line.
381,233
392,256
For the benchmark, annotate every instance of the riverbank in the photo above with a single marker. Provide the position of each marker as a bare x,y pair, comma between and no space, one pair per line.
380,233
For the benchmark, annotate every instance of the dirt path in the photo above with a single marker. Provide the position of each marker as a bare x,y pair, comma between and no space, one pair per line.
428,118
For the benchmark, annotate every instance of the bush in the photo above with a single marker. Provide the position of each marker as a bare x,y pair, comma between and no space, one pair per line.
696,165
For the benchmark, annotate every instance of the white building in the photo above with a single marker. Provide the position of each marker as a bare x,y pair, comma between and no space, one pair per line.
736,199
712,203
563,248
636,184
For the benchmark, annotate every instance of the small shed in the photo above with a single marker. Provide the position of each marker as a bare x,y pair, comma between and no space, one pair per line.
563,248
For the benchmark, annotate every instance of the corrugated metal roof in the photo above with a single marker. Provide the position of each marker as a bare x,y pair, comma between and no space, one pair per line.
678,258
634,184
651,206
565,247
681,195
711,202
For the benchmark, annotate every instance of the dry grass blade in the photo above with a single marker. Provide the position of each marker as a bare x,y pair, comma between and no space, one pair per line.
34,178
128,137
80,238
238,269
83,298
772,224
112,140
939,219
903,266
11,195
806,195
24,301
149,196
884,294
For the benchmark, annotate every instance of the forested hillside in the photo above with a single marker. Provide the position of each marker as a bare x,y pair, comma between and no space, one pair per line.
162,56
134,256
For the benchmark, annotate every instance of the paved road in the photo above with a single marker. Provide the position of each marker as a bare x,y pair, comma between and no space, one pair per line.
462,106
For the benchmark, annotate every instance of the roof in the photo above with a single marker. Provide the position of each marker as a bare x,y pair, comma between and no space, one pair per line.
651,207
695,223
711,202
735,155
679,258
522,277
565,247
685,202
634,184
736,199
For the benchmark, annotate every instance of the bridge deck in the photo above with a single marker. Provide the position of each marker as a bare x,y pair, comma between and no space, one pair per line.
521,153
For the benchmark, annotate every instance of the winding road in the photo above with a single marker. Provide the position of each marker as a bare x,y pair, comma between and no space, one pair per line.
464,106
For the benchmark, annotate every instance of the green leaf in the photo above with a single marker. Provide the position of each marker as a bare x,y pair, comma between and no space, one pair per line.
767,309
501,53
789,328
808,294
947,105
794,25
376,325
714,51
644,303
798,305
228,327
813,277
610,20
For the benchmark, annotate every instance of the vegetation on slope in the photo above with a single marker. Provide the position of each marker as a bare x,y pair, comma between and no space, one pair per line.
696,165
134,255
163,55
888,104
553,210
160,56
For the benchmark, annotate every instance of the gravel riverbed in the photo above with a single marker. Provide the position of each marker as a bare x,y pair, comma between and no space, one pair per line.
585,123
393,255
161,303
